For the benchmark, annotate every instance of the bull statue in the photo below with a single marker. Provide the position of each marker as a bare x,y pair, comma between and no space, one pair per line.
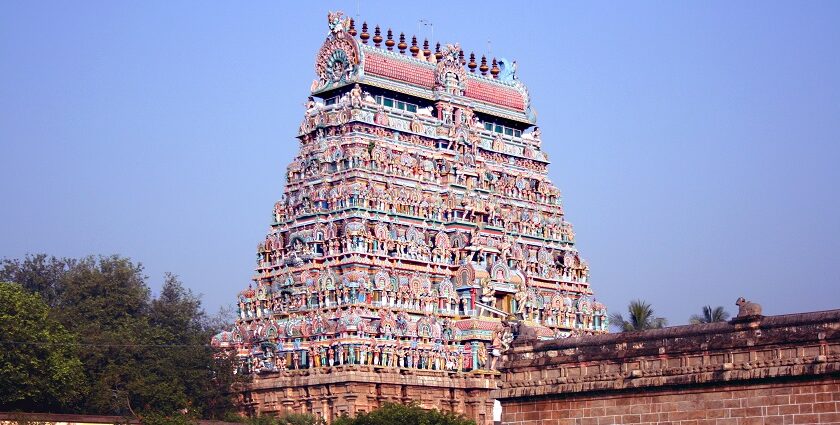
747,308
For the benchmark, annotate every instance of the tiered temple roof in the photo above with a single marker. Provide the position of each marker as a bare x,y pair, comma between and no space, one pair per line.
418,227
493,90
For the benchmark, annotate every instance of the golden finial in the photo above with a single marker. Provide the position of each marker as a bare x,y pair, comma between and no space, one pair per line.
426,51
495,69
414,49
472,65
483,68
402,46
364,35
352,30
377,37
390,41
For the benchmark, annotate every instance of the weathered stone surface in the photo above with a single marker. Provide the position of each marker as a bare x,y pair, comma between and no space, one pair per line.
353,389
779,369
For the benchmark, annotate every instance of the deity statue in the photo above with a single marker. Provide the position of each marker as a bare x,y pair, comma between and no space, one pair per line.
380,118
337,22
356,96
488,292
416,126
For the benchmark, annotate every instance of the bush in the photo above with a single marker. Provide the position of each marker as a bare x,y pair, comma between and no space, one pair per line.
412,414
286,419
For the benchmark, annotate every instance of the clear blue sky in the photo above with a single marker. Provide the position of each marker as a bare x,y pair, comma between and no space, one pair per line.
696,143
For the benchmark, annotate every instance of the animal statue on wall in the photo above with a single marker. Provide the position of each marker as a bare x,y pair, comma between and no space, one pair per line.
747,308
508,70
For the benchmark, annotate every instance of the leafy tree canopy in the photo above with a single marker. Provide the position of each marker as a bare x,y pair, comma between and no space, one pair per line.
710,315
141,356
39,274
39,368
640,318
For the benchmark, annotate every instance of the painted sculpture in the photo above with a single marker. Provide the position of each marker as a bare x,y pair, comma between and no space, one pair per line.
418,227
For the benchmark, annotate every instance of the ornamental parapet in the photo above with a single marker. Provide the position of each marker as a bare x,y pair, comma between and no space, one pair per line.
751,348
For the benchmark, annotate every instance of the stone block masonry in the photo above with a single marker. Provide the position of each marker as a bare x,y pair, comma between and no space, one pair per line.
753,370
783,402
352,389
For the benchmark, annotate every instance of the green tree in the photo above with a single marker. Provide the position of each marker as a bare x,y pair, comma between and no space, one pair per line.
640,318
143,357
106,302
150,356
710,315
184,376
39,274
391,413
39,369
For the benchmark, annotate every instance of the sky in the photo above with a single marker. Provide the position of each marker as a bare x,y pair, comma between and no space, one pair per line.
697,144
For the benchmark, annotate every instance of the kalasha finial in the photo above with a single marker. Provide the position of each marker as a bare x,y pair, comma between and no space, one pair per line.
438,54
426,51
414,49
461,57
402,46
472,65
495,69
364,35
352,30
390,41
377,36
483,68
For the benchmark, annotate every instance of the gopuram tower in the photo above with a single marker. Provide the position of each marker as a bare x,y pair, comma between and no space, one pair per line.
417,234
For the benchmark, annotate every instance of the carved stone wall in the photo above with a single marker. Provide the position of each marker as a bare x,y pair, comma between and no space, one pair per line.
353,389
759,370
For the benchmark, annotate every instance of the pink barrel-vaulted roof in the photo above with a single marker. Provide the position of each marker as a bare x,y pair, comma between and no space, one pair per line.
399,70
422,75
495,94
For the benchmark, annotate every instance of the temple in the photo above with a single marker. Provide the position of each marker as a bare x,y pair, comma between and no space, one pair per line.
417,232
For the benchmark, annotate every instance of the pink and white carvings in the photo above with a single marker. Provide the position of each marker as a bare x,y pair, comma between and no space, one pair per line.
418,227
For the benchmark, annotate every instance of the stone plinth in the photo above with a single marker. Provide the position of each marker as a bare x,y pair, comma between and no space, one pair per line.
351,389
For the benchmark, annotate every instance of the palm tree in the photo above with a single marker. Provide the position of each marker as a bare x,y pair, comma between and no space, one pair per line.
710,315
640,318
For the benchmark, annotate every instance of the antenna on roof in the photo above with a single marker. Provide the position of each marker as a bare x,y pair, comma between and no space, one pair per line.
426,23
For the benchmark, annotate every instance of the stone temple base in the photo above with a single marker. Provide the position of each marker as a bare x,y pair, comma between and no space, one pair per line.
332,392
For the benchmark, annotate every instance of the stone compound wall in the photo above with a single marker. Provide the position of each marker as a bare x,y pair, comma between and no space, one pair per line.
780,403
754,370
20,418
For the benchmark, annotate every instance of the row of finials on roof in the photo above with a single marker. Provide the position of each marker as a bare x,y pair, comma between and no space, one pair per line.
415,49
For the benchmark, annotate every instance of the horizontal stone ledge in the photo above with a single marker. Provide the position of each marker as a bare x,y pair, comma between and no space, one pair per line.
788,331
564,385
464,381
